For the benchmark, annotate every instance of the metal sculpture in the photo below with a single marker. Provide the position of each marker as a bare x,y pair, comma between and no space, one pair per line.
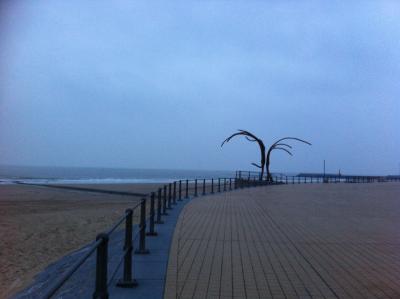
252,138
280,146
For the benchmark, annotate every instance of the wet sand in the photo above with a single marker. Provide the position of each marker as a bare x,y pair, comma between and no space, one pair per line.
39,225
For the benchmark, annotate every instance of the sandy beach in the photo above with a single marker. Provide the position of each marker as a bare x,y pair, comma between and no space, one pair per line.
39,225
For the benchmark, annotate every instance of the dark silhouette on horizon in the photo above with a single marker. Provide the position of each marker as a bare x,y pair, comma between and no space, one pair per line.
252,138
280,146
265,157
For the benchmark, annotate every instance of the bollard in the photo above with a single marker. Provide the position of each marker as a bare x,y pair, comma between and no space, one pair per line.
174,194
151,231
219,185
165,208
142,226
169,196
212,186
204,187
286,179
180,190
101,291
159,221
127,281
230,183
235,184
187,189
224,184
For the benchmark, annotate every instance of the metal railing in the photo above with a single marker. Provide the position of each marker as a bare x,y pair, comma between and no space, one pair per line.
160,202
317,178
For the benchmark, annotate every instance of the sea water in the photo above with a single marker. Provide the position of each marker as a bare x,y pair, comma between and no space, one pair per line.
83,175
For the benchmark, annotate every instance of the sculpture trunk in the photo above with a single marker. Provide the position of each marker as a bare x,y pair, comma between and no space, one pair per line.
252,138
269,176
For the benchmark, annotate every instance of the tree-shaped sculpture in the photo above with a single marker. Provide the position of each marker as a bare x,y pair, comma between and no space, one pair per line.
251,137
278,145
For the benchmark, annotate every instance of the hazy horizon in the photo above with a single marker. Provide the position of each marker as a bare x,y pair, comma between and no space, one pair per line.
159,85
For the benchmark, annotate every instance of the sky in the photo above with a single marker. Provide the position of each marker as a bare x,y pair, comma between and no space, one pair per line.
160,84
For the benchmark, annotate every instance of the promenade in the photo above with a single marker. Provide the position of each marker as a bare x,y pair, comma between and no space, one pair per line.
289,241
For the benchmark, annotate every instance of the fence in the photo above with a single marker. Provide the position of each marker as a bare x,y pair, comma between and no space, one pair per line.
160,202
317,178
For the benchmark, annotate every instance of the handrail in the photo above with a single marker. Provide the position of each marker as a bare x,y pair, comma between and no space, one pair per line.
168,195
115,226
59,283
56,286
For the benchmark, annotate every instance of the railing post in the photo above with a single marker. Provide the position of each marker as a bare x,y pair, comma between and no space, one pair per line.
195,188
286,179
127,281
174,194
224,184
152,214
180,190
166,207
219,185
142,226
101,291
204,186
230,183
212,186
235,186
159,221
169,196
187,189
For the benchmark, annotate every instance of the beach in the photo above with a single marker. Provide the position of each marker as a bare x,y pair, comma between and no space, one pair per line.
39,225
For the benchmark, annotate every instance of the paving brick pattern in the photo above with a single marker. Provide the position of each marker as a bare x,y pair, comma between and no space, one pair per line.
296,241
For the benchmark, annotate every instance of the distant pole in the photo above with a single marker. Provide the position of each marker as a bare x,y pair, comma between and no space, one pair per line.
324,167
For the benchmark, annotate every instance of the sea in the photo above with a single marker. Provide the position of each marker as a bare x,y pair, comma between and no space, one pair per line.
94,175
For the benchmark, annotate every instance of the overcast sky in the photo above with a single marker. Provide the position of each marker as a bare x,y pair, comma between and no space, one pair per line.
161,84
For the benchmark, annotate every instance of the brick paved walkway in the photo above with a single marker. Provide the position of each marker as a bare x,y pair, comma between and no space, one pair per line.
296,241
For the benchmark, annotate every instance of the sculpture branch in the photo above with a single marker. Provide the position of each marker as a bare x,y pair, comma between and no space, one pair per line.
256,165
281,146
283,149
252,138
